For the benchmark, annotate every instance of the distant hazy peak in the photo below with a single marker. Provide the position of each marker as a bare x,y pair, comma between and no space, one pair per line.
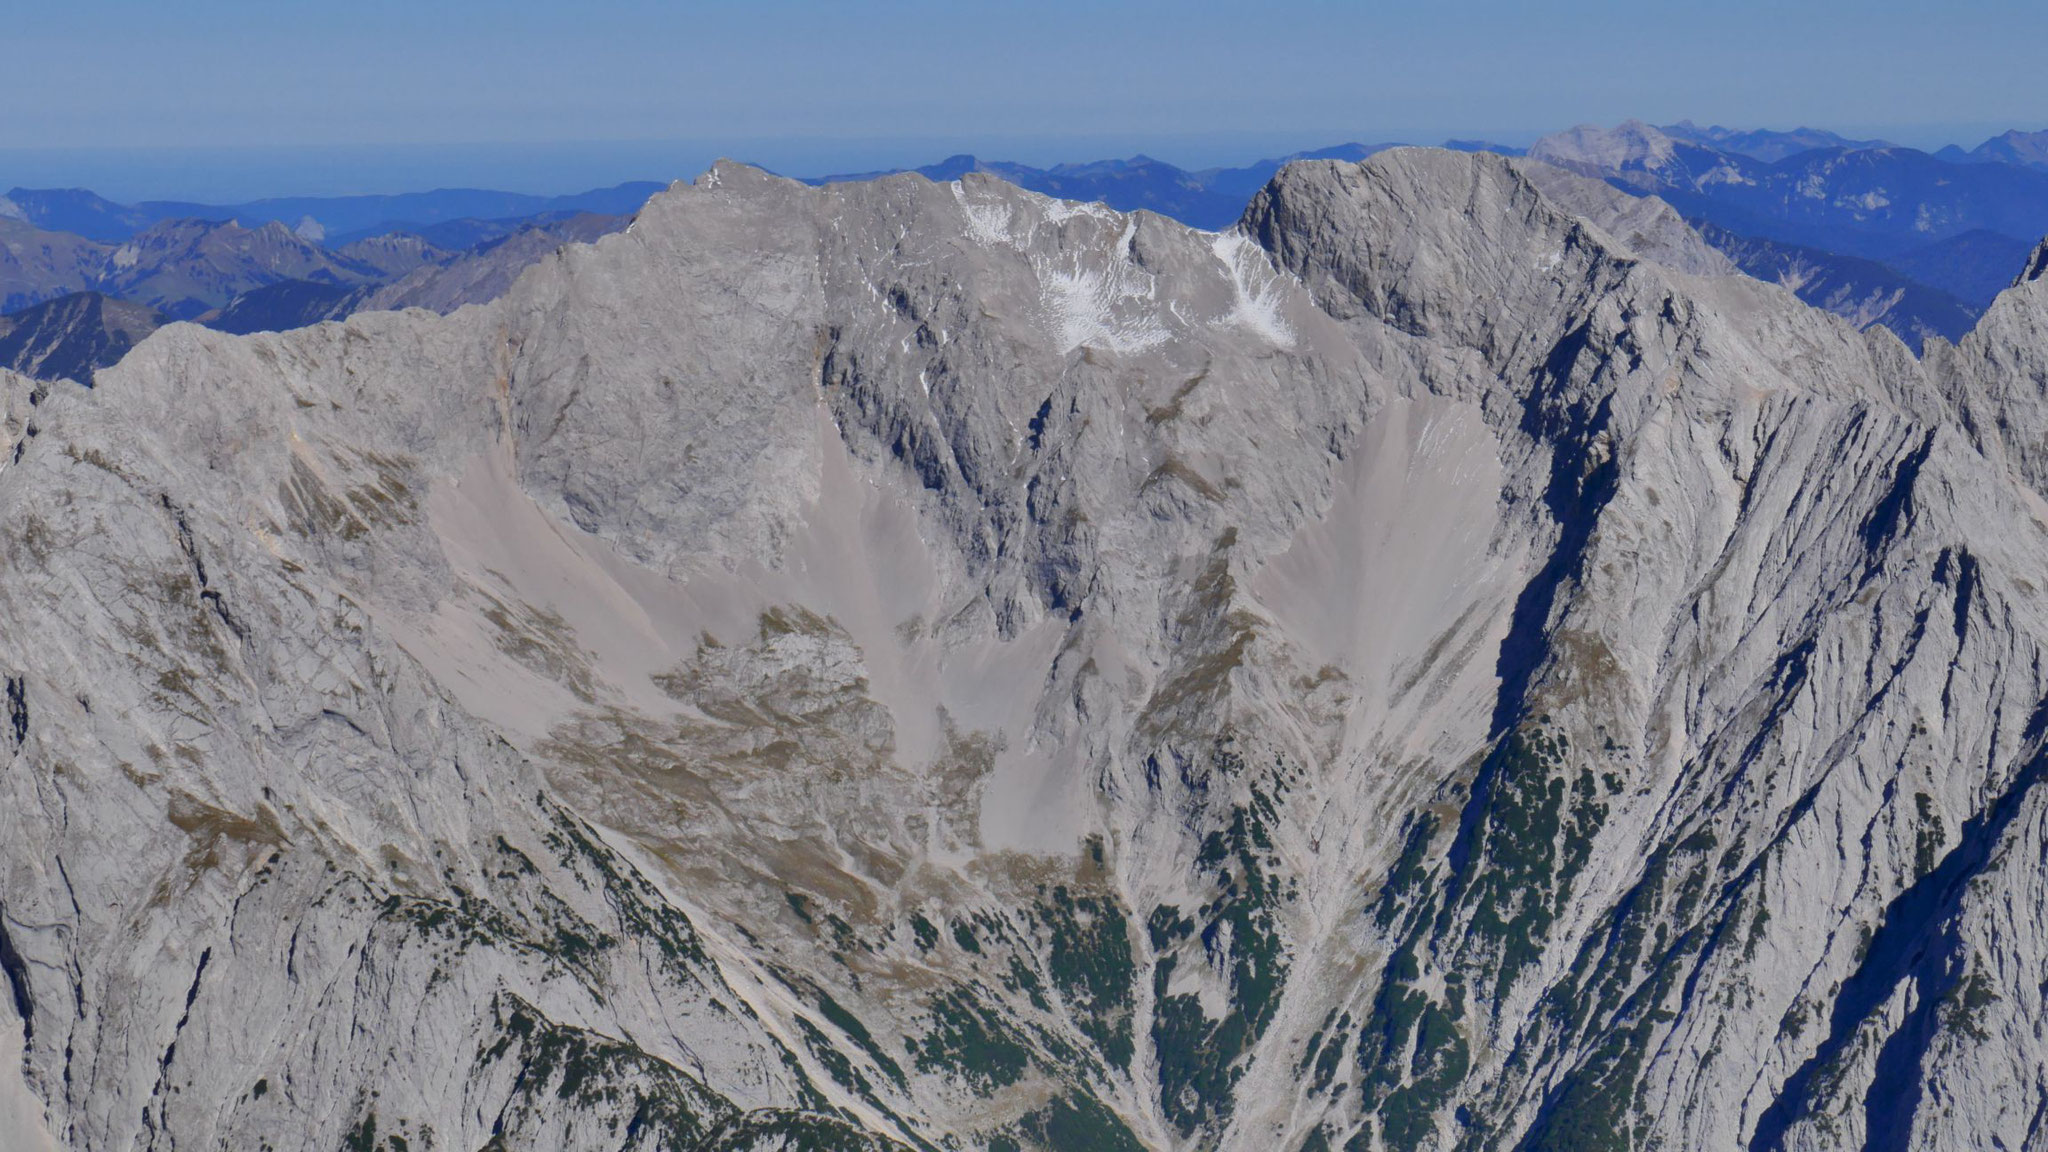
1766,144
2027,149
1630,144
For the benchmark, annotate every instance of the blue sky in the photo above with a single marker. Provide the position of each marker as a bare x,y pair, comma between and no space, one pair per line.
808,84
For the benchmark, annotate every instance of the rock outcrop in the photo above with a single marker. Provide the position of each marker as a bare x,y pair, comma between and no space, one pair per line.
1441,664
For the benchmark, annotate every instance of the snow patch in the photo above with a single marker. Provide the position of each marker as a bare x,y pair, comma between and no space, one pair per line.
989,224
1090,306
1257,289
1097,297
1061,211
1725,174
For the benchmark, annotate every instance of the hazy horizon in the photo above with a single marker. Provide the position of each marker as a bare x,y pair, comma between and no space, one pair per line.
234,99
240,173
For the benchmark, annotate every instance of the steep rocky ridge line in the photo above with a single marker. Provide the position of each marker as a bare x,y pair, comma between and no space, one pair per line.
1442,664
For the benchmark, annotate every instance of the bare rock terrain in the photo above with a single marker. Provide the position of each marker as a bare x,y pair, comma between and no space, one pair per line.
1444,663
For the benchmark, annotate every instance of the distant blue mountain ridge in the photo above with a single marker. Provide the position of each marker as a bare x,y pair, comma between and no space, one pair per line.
1917,242
1914,241
335,220
1208,198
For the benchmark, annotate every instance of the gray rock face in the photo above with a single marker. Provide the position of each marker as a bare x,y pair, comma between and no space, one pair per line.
395,254
1863,292
185,267
424,277
1442,664
1646,225
36,265
181,268
484,272
73,336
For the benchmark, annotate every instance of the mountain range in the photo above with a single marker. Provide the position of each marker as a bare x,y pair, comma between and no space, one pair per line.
238,279
1211,198
72,337
1767,145
339,219
1952,225
1878,233
1446,662
1919,243
1870,202
2029,149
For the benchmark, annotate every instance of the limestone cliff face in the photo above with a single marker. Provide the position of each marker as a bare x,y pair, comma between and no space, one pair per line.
1443,664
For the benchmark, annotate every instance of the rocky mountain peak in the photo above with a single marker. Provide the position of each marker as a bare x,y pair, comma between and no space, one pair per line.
915,663
1631,145
2036,266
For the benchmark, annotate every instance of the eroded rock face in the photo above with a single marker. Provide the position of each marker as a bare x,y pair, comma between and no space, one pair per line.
925,664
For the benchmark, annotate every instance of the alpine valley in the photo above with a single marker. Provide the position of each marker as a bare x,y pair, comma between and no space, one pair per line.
1444,662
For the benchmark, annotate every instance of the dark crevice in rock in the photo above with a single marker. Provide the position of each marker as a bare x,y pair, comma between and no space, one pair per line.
208,595
1897,506
1966,588
1037,425
16,970
191,994
1575,496
17,709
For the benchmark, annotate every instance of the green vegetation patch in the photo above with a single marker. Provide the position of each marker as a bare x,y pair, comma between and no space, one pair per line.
643,914
1413,1054
1078,1122
620,1085
1239,933
1534,833
791,1130
1525,834
845,1021
970,1043
1091,965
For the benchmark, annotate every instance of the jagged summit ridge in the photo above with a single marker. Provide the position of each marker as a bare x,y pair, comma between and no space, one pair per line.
2037,265
1441,664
